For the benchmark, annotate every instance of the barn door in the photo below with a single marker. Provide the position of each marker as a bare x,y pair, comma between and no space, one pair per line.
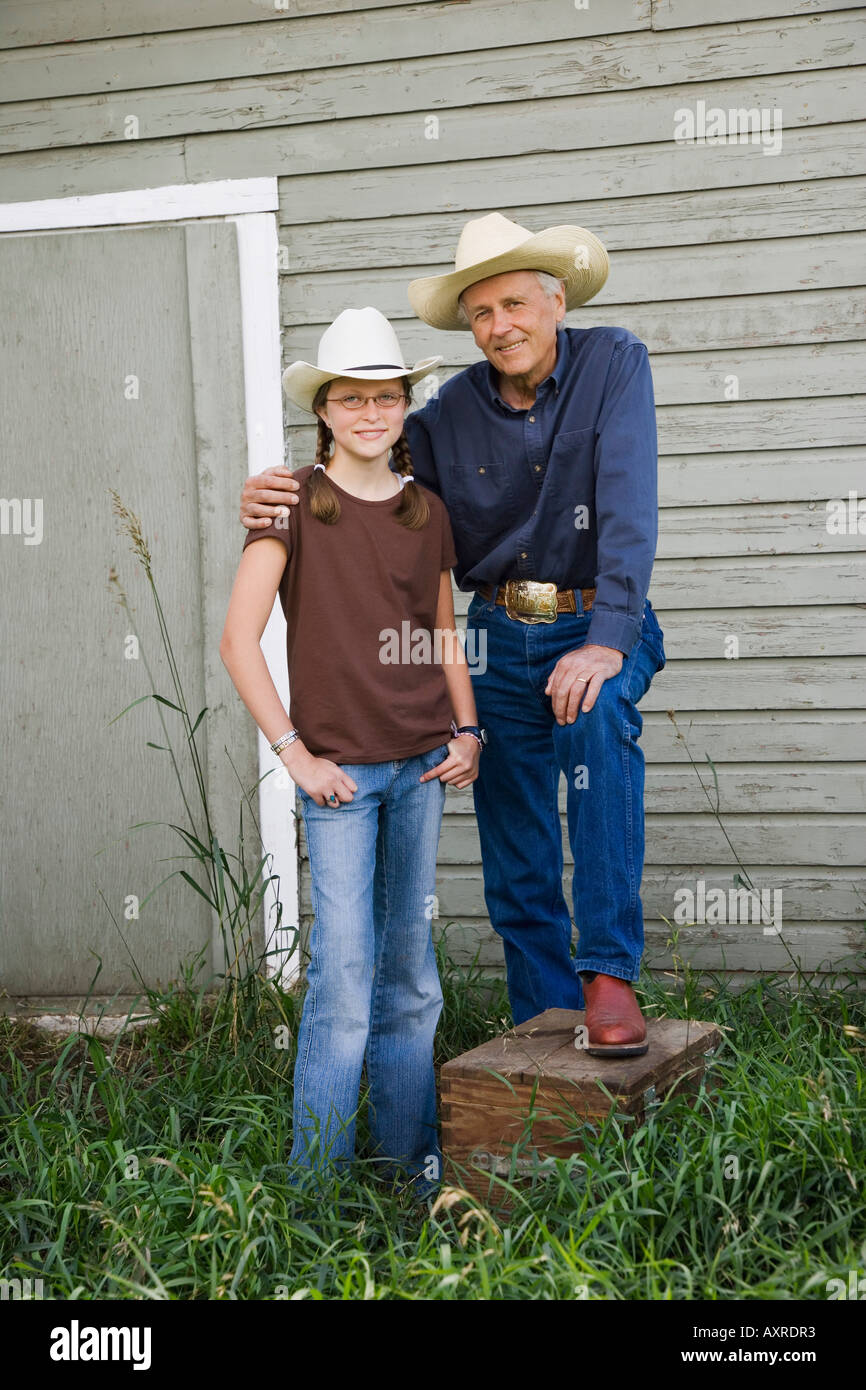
121,368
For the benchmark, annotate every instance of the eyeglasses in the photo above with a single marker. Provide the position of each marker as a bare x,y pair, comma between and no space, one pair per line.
387,401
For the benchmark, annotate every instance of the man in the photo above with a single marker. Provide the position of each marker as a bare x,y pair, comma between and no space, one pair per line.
545,456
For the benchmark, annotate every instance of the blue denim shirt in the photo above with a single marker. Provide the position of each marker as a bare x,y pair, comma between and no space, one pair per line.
564,491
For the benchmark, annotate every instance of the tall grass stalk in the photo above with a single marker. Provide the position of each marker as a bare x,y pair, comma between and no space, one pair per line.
742,878
232,884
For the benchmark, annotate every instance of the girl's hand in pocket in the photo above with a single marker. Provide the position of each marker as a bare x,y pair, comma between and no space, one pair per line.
321,779
460,768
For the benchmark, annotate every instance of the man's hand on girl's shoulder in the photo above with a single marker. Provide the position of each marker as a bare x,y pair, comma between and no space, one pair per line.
263,494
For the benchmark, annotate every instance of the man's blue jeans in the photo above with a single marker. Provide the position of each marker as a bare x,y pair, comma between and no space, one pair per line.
516,804
372,982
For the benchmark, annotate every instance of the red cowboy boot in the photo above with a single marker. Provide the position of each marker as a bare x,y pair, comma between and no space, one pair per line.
614,1022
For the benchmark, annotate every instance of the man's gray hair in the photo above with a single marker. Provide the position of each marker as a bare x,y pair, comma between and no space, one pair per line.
548,283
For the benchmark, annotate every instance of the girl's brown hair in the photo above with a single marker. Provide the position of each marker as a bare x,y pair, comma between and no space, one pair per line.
412,508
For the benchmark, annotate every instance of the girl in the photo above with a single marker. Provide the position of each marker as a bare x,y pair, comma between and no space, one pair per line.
379,685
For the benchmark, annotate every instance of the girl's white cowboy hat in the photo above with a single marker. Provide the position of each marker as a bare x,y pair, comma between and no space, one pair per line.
492,245
359,343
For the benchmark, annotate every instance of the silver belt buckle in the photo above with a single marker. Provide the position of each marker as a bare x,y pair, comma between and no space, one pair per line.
530,601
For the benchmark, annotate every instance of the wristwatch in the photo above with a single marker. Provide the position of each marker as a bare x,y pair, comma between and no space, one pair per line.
480,735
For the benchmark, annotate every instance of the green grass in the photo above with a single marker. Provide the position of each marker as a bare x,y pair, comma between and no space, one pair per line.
154,1167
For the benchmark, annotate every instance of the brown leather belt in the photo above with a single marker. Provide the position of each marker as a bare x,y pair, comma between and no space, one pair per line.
532,602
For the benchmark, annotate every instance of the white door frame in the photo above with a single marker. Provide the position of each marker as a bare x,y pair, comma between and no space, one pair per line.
252,205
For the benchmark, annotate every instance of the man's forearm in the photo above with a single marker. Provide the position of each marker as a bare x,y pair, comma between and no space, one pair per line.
626,501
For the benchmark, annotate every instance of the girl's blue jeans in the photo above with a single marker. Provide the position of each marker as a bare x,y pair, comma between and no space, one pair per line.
516,804
372,983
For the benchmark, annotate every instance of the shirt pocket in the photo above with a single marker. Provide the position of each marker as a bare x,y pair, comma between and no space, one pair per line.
565,517
570,448
570,477
483,504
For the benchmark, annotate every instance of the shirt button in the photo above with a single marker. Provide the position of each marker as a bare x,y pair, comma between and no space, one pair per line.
532,419
523,554
538,468
482,470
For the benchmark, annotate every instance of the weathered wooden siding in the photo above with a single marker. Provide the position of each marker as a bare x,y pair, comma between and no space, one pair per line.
726,260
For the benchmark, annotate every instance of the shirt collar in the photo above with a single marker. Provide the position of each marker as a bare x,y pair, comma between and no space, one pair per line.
557,376
563,353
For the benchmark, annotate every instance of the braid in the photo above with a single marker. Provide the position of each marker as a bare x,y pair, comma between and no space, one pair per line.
324,502
402,456
413,509
323,441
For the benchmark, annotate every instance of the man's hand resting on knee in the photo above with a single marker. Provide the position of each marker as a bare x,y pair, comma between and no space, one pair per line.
577,678
264,494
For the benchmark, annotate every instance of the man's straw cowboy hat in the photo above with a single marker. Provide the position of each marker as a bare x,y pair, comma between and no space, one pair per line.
359,343
492,245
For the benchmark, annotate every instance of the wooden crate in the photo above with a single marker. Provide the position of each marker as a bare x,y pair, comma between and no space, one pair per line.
532,1087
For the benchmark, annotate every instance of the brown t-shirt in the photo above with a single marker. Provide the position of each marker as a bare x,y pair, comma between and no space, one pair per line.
359,597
